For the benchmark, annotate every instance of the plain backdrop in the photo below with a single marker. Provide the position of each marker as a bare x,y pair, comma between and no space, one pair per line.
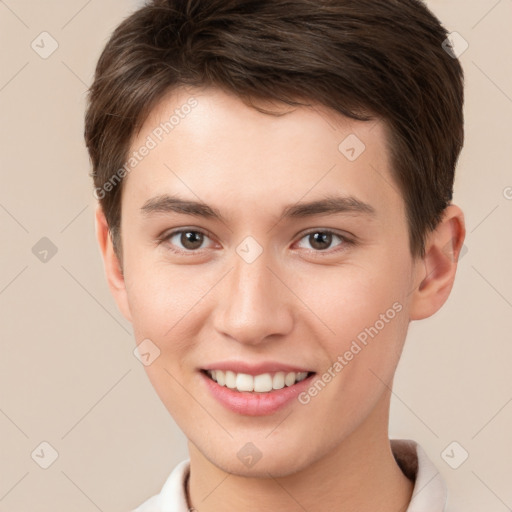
68,375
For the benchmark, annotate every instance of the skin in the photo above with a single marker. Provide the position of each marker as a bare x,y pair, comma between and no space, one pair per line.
294,304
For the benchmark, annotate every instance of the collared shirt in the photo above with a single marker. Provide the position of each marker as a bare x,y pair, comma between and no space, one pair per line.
429,494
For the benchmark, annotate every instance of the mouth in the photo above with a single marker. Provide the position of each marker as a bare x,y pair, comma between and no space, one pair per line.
255,384
256,388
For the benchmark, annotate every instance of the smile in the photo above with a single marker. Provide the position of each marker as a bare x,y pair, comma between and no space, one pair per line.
258,393
262,383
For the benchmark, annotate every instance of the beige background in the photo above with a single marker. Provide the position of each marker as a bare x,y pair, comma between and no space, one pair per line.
68,375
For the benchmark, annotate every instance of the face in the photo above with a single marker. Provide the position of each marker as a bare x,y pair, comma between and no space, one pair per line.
256,283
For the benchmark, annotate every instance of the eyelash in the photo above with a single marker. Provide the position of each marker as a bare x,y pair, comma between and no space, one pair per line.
345,241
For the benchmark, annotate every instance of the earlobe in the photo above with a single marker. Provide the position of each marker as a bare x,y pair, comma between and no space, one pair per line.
436,271
113,270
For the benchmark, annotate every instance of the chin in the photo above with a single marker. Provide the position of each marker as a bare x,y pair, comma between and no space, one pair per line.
261,462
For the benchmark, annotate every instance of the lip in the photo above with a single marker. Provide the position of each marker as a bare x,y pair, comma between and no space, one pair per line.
251,403
254,369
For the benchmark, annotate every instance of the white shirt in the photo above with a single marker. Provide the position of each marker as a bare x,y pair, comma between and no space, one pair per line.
429,494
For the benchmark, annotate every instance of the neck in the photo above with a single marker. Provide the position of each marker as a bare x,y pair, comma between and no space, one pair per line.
360,474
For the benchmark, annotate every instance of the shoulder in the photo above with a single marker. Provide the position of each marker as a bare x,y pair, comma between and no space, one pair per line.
172,495
430,492
150,505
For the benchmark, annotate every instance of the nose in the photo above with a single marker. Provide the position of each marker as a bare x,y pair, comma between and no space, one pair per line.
253,305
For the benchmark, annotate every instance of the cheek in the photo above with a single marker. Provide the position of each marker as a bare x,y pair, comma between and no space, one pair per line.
167,308
362,356
358,300
162,305
160,298
365,309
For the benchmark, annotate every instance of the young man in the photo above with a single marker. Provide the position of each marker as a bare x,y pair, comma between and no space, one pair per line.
275,182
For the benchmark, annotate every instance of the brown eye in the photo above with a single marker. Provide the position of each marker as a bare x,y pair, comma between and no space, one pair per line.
191,240
186,240
321,240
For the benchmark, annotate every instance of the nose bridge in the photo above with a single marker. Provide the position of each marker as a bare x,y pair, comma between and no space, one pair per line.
251,283
253,305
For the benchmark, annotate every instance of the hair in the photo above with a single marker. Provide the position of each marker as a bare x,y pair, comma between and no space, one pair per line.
365,59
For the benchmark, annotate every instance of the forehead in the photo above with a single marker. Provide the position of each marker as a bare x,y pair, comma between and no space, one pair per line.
207,144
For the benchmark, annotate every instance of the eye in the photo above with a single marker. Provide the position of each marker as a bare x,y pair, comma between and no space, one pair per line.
191,241
321,239
186,240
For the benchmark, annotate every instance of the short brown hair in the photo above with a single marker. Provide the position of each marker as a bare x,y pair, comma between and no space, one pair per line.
367,59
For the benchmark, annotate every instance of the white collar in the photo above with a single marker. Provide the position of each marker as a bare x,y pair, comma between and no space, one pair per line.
429,494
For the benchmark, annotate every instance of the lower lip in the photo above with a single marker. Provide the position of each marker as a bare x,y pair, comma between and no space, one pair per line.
253,403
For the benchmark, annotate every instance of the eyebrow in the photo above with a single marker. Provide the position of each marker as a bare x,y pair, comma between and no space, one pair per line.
330,205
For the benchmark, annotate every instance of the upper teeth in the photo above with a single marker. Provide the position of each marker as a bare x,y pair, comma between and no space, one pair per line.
260,383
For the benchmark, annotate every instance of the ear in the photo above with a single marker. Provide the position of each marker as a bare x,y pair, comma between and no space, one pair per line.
435,272
111,263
